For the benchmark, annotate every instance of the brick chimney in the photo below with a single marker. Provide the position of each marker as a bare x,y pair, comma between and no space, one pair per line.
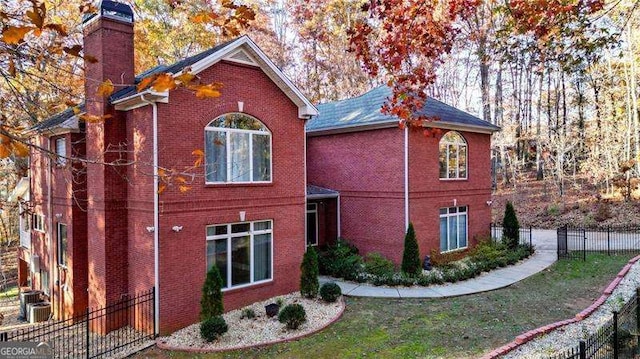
108,36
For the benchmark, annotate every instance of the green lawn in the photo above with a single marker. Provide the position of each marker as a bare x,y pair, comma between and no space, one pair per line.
462,327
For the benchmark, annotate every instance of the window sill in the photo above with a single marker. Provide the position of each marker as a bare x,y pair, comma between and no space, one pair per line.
248,285
461,249
238,184
454,179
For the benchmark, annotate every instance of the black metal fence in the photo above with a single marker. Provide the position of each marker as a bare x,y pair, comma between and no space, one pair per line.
617,338
117,329
525,236
576,242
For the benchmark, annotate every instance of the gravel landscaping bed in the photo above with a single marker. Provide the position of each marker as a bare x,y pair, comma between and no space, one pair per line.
259,330
568,336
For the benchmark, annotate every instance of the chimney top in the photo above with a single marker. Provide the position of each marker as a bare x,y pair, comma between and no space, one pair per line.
111,10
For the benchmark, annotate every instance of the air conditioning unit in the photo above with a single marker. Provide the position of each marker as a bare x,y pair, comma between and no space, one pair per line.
26,297
35,264
39,312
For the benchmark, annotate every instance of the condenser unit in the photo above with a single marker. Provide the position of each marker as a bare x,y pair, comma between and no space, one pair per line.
39,312
26,297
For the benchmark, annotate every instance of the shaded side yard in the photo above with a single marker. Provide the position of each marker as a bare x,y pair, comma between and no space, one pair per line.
462,327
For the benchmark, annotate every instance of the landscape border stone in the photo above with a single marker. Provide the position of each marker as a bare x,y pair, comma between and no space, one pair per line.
162,345
532,334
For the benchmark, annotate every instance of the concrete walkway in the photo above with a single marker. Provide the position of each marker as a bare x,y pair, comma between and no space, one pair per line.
545,255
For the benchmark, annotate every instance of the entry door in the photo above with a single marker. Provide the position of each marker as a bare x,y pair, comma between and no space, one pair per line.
312,224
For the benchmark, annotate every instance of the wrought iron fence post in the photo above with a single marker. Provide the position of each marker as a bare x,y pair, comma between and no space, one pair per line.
584,245
615,334
608,240
87,329
583,349
530,237
637,319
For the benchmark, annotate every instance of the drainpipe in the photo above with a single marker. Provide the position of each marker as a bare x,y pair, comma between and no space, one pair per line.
406,178
50,227
156,219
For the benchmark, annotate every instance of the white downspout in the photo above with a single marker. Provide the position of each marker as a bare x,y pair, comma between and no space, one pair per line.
50,223
406,178
338,215
156,219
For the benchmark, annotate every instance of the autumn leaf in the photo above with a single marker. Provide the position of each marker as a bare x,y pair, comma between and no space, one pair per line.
164,82
93,118
19,149
12,67
185,78
199,157
13,35
146,82
73,50
161,188
183,188
37,14
4,151
76,110
207,91
90,59
59,28
106,88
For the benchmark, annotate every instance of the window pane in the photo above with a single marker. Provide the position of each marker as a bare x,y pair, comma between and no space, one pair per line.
61,150
312,229
216,230
261,158
240,228
443,161
443,210
219,257
453,232
240,260
462,230
453,163
261,226
262,257
239,157
462,161
62,244
216,156
443,234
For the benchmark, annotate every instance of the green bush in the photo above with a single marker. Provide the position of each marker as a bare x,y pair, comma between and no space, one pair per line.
411,254
377,265
309,278
341,260
510,227
211,302
330,292
248,313
213,327
293,315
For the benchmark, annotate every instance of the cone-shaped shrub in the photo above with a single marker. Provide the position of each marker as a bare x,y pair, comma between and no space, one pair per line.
411,254
510,227
211,302
309,278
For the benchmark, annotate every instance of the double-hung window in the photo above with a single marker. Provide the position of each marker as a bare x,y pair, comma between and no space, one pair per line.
61,151
243,252
62,244
38,222
453,228
237,149
453,156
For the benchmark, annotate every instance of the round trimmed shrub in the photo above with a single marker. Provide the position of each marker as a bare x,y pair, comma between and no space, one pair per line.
213,327
293,315
330,292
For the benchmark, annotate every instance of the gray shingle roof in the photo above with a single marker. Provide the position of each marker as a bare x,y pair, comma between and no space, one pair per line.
176,67
56,119
366,110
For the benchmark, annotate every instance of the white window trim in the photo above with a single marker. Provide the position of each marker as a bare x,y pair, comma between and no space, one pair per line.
61,265
251,235
315,212
457,214
457,145
227,132
34,223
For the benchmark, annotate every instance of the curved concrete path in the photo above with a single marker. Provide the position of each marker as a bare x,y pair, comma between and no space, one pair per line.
545,255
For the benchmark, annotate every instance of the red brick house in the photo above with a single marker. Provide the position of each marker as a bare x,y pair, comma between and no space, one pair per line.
98,232
387,177
101,231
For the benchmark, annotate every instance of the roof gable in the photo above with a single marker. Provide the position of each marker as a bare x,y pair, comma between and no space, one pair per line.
364,112
241,50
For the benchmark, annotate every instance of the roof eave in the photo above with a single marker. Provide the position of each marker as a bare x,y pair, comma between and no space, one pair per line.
140,99
323,196
463,127
352,128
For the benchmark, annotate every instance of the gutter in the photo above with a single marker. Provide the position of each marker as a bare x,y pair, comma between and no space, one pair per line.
156,219
394,123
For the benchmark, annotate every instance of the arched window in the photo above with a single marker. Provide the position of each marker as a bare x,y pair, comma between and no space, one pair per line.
453,156
237,149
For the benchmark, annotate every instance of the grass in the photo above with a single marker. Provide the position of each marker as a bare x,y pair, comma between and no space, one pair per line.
9,292
461,327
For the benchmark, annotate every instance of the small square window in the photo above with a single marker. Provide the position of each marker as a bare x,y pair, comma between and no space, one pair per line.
261,226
